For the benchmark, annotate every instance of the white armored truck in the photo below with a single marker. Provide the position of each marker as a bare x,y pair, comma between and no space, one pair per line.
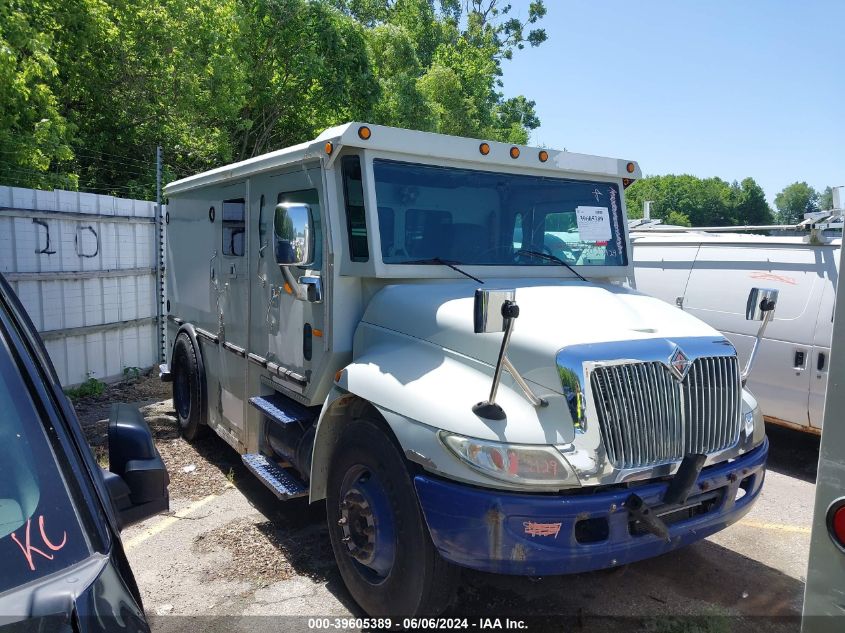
438,338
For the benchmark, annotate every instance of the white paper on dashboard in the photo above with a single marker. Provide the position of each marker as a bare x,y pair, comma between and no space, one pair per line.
593,223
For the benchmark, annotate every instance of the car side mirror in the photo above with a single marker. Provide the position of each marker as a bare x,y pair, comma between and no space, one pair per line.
137,479
293,235
760,302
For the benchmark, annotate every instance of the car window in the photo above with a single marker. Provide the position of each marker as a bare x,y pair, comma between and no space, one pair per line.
40,532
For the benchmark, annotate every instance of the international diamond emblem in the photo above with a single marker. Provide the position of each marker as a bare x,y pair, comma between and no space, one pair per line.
679,363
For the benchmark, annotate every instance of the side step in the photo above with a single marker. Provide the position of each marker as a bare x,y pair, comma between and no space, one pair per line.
284,484
281,409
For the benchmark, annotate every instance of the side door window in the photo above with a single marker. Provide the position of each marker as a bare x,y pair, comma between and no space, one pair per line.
234,227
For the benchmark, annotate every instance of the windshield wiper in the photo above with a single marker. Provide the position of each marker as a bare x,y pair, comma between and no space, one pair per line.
551,258
444,262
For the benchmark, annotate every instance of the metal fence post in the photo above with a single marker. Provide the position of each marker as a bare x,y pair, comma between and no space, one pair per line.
159,264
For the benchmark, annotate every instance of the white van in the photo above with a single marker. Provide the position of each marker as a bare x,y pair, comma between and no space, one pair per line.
709,275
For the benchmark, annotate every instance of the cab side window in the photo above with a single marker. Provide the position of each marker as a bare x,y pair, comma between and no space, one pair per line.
356,221
234,227
312,199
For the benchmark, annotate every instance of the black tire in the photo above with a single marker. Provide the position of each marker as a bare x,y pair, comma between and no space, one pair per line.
188,389
419,582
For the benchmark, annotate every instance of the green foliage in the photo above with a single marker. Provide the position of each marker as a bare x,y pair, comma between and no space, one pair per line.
91,387
796,200
826,199
690,201
89,88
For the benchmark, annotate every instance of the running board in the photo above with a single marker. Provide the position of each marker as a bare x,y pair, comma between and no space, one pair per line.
281,409
284,484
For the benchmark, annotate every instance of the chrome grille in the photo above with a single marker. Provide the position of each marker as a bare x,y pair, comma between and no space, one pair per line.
647,417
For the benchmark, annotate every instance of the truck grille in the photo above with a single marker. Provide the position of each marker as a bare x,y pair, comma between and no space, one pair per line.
647,417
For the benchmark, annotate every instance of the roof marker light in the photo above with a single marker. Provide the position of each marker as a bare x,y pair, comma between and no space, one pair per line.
364,132
630,167
543,155
329,148
514,152
484,148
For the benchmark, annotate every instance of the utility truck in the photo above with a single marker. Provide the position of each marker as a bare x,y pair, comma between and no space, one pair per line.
389,322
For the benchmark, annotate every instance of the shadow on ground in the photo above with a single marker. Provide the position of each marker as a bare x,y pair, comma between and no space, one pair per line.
793,453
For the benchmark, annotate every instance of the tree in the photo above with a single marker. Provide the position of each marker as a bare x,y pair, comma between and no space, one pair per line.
826,199
689,200
749,203
796,200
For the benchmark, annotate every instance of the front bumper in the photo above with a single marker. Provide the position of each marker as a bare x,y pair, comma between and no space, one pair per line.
539,534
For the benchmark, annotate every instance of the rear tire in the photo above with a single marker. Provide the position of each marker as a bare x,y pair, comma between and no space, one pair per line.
188,387
387,561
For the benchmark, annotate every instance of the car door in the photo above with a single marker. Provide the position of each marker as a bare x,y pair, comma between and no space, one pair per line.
661,269
820,358
233,288
717,293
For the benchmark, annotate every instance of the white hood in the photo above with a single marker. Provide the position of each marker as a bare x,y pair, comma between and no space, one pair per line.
552,315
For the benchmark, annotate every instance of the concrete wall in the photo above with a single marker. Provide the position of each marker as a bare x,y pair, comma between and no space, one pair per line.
84,265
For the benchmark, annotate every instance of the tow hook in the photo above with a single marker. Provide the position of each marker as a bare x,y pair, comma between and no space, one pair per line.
639,511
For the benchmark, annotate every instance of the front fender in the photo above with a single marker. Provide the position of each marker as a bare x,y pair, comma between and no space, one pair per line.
420,388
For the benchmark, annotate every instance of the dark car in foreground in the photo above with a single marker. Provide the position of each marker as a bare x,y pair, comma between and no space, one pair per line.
62,564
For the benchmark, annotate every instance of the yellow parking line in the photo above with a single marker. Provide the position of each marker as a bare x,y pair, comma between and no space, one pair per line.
166,522
779,527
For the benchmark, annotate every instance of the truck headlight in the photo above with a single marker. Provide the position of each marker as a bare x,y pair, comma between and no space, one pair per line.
514,463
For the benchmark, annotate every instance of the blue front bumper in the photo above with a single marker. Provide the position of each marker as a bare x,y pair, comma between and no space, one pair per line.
535,534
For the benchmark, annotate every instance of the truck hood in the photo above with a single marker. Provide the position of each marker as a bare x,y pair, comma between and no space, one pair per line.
553,315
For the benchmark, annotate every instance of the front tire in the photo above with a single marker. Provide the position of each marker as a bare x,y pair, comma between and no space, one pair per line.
188,386
380,540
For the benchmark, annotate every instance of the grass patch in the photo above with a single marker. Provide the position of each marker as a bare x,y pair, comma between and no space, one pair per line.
91,387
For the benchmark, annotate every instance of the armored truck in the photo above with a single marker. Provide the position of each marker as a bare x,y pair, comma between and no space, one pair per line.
390,322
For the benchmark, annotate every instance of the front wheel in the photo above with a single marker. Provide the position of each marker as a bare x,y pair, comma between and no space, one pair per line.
380,540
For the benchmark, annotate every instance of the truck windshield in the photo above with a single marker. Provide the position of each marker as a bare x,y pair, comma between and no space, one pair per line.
495,219
40,532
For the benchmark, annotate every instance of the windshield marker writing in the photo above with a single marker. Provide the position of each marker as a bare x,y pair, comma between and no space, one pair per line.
28,549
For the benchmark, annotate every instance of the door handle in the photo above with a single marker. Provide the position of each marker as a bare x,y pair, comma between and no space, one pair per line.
800,360
820,361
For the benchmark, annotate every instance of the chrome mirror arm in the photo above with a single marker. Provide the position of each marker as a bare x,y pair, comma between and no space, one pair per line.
533,398
752,357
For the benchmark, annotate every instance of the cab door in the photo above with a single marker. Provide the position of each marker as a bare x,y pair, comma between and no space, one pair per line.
233,290
820,358
289,303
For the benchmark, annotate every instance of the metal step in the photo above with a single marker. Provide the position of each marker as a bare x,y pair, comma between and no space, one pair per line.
281,409
284,484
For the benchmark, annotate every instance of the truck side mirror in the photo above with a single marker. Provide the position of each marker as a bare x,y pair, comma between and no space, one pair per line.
760,307
760,301
293,236
137,479
488,316
495,311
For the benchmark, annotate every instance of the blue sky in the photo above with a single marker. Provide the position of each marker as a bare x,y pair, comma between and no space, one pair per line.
718,88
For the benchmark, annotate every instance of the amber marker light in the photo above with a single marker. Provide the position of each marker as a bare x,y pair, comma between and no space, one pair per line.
364,132
329,148
514,152
338,375
544,156
484,148
630,167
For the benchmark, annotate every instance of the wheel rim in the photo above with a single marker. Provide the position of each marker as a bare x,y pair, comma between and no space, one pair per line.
366,522
182,390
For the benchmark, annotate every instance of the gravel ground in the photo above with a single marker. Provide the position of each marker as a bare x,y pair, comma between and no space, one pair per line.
240,553
196,470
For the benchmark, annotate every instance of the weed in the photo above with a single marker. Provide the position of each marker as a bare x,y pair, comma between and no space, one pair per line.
131,373
91,387
230,476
